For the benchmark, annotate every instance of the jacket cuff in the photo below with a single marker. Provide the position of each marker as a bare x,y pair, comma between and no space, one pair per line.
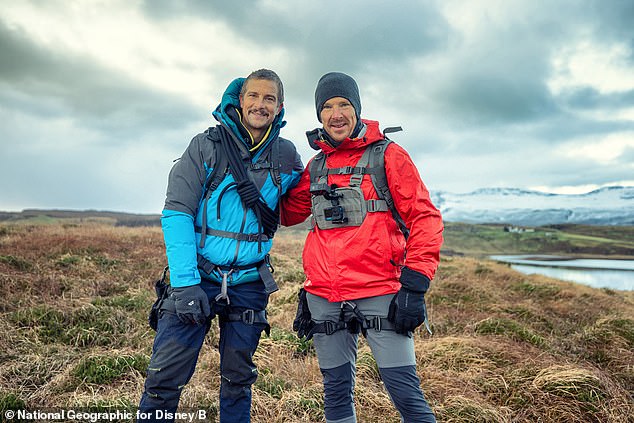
413,280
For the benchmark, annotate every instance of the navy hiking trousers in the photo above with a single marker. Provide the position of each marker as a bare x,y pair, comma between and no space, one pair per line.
177,346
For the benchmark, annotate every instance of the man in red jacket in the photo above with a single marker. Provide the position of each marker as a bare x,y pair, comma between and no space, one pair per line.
358,277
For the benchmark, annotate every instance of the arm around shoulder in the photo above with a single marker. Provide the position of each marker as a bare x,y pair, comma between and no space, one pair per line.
296,204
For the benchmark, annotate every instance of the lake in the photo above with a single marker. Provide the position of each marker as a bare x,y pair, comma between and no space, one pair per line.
598,273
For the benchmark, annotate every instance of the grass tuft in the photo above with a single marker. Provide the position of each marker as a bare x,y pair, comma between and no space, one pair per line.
536,290
10,401
16,262
571,382
511,328
105,369
460,409
301,346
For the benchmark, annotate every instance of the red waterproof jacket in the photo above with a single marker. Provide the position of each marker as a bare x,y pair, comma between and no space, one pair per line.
365,261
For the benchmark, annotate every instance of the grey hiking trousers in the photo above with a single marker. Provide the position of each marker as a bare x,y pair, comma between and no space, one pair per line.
393,353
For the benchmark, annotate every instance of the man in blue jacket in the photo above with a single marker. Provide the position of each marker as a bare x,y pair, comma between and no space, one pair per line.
219,218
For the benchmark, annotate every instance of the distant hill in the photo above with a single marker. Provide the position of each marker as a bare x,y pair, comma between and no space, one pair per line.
610,206
605,206
116,218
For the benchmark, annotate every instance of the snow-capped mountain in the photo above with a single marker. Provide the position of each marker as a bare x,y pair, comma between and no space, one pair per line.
605,206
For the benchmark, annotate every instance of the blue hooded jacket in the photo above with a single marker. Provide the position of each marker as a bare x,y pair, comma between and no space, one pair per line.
183,212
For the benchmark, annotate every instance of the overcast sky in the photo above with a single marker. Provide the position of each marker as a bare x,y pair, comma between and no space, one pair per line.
97,98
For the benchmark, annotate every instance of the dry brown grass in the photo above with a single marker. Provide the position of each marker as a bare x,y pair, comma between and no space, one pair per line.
506,347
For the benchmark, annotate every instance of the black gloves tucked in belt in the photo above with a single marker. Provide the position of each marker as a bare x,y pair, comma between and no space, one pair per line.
303,323
192,304
407,309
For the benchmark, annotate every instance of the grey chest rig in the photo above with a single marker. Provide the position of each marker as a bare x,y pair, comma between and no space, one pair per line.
337,207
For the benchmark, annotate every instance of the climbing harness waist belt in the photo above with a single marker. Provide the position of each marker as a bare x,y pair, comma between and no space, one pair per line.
264,268
355,323
248,317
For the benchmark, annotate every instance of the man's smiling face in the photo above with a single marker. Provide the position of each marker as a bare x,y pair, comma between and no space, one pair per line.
259,104
339,118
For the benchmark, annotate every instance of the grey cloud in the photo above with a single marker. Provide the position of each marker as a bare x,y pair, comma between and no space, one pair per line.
590,98
614,22
486,99
327,35
53,83
567,126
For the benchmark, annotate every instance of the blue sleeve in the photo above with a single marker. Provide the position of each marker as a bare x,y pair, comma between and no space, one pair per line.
180,247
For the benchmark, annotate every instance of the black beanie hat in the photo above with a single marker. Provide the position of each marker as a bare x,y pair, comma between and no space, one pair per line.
337,84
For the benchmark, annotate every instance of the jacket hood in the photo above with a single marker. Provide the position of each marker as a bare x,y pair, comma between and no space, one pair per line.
370,133
225,111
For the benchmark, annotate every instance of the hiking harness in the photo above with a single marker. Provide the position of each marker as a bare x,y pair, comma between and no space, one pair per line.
220,305
336,207
229,159
350,318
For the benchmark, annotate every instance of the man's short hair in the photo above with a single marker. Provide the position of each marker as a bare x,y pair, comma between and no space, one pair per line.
269,75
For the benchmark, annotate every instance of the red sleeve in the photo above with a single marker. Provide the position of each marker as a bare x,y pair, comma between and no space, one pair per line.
296,204
421,217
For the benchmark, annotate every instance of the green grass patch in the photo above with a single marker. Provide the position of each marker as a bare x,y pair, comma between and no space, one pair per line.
536,290
68,260
511,328
602,339
567,382
16,262
10,401
88,326
270,384
101,370
124,302
624,328
104,263
290,275
482,270
308,404
301,346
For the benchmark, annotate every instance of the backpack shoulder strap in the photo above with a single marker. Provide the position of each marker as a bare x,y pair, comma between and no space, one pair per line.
318,173
219,171
379,180
275,165
275,171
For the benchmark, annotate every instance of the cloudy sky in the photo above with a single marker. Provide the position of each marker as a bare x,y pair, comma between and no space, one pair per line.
97,98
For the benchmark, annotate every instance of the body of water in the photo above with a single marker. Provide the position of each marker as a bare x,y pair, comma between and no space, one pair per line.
598,273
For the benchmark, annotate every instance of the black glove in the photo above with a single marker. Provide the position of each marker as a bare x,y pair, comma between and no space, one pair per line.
407,309
303,323
192,304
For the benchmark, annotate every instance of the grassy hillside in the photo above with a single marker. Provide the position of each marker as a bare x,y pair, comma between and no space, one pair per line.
574,240
506,347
